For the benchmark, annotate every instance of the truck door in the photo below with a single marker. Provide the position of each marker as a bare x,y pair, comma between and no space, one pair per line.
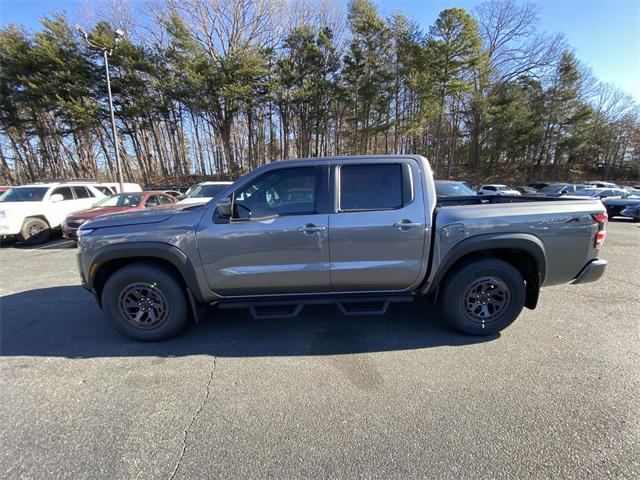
277,239
378,225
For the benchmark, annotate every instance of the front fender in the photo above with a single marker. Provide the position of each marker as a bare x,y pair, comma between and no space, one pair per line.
146,251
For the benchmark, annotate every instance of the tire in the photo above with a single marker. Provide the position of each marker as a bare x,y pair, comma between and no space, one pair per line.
34,231
156,291
468,304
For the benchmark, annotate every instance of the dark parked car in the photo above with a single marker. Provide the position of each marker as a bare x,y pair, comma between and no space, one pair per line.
616,206
526,190
600,193
560,189
452,188
538,185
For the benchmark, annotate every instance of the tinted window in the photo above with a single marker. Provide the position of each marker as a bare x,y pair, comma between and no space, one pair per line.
82,192
165,199
370,187
24,194
288,191
64,191
491,189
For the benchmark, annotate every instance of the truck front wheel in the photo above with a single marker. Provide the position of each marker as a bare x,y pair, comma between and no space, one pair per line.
145,302
482,296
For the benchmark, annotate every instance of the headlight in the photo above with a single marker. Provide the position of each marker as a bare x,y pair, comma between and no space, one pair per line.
84,231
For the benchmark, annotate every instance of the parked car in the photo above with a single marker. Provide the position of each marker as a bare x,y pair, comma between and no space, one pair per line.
32,212
616,206
111,188
526,190
602,184
497,190
118,202
257,245
560,189
4,188
451,188
203,192
538,185
599,192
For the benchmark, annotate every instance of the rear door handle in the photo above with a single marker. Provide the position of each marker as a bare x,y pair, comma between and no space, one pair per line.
311,228
406,225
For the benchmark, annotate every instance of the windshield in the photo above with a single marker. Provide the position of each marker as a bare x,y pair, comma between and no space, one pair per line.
120,200
205,191
453,190
24,194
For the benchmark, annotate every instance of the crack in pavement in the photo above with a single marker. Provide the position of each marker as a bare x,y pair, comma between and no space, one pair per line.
185,433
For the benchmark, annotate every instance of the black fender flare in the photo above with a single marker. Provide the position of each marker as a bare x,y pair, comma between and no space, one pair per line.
527,243
146,250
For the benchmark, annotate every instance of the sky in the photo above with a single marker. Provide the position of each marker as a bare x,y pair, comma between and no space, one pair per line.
604,34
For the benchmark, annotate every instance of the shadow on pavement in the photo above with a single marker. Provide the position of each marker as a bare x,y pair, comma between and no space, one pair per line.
56,242
66,322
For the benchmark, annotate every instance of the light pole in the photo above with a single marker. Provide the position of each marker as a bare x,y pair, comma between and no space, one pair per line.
106,52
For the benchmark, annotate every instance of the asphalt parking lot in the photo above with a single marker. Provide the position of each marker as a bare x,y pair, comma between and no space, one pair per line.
557,395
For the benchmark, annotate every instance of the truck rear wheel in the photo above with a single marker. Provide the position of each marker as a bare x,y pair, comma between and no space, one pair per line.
34,231
145,302
482,296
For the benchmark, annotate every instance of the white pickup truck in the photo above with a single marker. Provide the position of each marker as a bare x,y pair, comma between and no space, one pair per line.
31,212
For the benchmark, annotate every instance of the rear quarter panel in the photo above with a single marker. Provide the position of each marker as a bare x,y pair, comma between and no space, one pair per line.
565,228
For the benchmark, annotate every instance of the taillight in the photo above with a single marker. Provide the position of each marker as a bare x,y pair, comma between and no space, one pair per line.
601,234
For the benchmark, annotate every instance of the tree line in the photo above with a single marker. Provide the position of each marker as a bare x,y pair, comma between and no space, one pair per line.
218,87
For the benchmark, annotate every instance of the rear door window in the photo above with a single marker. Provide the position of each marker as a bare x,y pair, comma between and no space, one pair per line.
64,191
371,187
83,192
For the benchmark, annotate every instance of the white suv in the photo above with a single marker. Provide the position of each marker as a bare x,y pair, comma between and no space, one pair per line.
30,212
203,192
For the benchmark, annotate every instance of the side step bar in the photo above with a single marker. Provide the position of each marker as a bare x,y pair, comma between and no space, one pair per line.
349,306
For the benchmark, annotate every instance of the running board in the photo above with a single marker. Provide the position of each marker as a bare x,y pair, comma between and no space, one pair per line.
348,306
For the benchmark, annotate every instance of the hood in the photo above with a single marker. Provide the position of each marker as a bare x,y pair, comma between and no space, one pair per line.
96,212
136,217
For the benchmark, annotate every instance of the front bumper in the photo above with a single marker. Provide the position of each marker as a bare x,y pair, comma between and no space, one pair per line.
591,272
68,232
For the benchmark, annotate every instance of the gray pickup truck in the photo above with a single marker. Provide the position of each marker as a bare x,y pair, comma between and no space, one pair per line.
361,232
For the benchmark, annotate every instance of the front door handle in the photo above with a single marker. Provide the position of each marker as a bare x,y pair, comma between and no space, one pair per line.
403,225
309,228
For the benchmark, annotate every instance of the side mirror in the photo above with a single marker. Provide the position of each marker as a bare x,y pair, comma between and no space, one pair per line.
56,197
224,208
